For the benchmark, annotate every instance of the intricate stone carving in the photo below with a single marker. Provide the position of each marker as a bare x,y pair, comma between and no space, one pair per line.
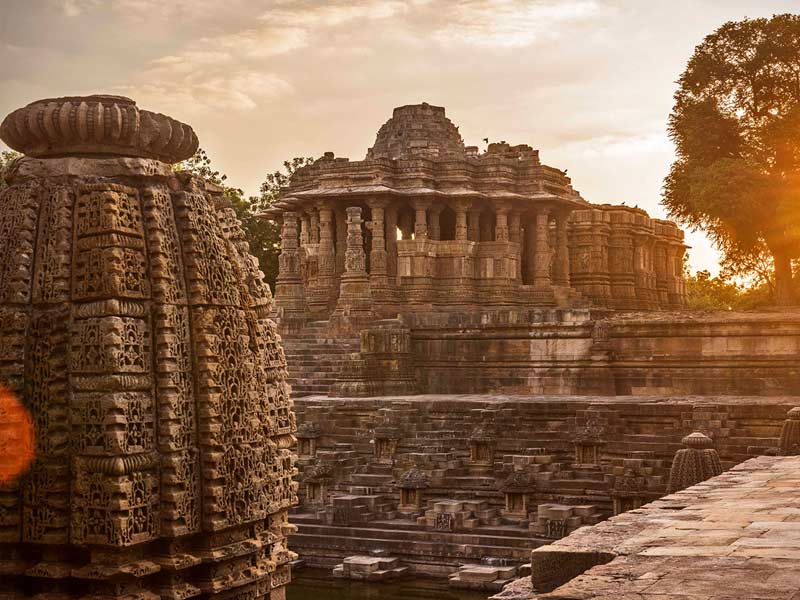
98,125
695,463
155,381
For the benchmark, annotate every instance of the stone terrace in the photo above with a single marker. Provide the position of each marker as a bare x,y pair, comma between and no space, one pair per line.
734,537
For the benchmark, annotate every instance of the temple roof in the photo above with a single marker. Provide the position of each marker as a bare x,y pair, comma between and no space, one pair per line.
417,130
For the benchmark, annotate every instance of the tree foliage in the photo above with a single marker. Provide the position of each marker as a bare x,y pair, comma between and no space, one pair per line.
263,236
736,128
704,292
6,156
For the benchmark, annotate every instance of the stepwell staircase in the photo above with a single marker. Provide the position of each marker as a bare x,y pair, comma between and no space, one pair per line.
315,358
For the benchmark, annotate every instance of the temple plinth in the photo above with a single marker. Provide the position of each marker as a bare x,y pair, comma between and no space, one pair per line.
444,225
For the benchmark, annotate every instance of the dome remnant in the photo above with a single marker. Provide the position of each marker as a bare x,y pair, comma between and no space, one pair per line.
417,130
133,327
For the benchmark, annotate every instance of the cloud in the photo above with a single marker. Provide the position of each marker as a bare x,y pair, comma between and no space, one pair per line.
74,8
512,23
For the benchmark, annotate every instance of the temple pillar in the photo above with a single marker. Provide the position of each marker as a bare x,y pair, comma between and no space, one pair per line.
305,226
461,221
501,224
474,225
354,292
515,235
313,233
561,270
434,228
341,238
542,282
326,261
378,269
391,242
421,219
289,293
515,226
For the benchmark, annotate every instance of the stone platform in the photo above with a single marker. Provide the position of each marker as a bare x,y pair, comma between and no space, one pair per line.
734,537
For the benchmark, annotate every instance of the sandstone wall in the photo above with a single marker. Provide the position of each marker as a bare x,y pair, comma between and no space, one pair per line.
589,352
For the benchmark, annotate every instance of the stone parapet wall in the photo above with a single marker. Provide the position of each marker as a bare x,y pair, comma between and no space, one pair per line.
590,352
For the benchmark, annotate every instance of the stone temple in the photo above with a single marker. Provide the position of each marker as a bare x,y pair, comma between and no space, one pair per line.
134,329
448,227
483,362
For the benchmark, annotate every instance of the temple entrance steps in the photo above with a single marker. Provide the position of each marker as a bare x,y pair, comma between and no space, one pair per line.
426,551
314,357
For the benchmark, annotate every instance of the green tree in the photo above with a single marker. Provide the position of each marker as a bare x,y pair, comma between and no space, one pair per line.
263,236
704,292
6,156
736,128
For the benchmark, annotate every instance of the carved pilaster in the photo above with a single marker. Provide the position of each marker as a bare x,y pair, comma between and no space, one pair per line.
289,293
561,271
355,299
542,283
378,268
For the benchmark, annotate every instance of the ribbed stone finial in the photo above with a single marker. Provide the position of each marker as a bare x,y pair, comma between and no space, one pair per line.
789,444
99,125
695,463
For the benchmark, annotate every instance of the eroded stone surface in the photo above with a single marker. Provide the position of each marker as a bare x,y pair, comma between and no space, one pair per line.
733,537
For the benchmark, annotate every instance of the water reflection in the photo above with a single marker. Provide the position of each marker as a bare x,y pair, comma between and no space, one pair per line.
313,584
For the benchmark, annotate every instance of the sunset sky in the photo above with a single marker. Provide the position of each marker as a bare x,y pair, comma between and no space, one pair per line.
588,82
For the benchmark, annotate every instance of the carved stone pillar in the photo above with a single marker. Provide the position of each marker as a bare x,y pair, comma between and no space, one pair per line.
515,226
354,292
461,221
305,225
434,227
421,220
515,235
391,242
474,225
542,283
326,270
378,268
313,234
561,275
501,224
289,294
341,239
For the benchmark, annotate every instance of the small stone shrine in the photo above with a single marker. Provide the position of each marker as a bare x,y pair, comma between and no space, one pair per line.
133,327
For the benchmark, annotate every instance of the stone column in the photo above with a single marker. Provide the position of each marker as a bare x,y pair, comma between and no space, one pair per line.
313,234
391,242
474,225
421,219
305,225
378,271
542,283
354,292
561,275
434,228
501,224
326,261
515,226
461,221
341,238
289,293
